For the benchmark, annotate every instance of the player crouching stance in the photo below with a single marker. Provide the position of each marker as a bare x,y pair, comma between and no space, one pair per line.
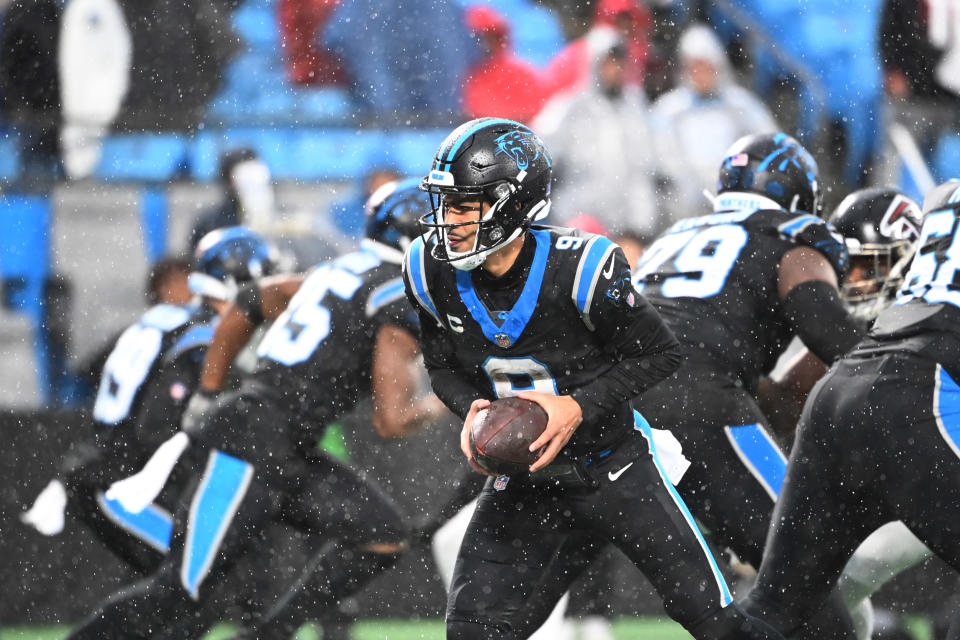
551,316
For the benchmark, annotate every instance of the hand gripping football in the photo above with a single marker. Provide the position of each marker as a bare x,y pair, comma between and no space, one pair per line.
501,435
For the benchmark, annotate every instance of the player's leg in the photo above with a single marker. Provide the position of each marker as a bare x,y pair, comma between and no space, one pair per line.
512,539
226,510
638,509
140,539
827,506
737,468
889,550
361,532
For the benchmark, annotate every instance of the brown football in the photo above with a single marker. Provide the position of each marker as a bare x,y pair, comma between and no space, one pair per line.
501,435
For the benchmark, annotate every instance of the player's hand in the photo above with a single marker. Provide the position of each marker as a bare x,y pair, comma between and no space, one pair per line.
197,408
476,407
47,513
139,490
563,417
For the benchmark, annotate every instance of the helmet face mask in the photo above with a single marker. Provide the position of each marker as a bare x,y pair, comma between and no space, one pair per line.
500,165
393,214
880,227
226,258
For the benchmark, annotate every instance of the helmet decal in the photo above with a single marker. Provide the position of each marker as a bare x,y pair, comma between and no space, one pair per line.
520,145
896,224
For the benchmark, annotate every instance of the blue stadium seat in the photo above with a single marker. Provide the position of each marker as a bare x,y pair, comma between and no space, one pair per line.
327,105
946,157
142,156
9,156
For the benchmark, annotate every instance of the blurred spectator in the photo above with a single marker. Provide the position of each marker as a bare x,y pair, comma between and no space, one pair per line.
248,195
571,69
308,63
633,245
920,48
500,84
29,83
167,282
179,52
403,59
696,122
602,157
349,215
94,62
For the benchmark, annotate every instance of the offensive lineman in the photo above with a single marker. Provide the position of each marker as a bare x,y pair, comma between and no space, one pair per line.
879,437
346,331
146,381
550,316
735,287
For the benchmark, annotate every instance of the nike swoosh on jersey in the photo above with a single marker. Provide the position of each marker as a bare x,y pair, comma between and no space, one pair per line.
609,271
613,475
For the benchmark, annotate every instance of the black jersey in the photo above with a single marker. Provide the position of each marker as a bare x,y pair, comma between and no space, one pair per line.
316,357
563,320
925,317
149,375
714,281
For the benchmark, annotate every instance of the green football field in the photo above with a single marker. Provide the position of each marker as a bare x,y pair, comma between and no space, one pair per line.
624,629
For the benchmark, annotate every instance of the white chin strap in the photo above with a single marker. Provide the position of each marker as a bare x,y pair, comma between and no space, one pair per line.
472,259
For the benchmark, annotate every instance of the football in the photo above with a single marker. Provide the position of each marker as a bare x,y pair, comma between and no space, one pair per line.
501,434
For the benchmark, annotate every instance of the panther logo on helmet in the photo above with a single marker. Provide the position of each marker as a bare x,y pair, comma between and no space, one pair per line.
520,145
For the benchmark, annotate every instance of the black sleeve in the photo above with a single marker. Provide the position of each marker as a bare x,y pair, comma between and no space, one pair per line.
817,315
446,377
644,348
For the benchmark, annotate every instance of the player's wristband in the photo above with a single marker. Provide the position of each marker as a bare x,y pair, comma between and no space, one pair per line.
250,302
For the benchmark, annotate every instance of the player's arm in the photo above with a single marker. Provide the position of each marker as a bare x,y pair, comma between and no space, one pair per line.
256,303
397,412
781,398
642,347
810,299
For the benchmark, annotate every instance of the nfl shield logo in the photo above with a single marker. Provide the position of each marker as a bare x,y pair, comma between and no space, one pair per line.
501,483
503,340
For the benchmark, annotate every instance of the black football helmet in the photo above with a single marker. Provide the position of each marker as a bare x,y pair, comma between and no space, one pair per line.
394,211
879,227
503,163
226,258
774,166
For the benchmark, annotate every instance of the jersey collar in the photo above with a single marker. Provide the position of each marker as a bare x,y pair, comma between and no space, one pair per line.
507,334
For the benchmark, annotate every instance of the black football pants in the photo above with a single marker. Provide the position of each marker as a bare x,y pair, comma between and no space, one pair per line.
878,441
518,532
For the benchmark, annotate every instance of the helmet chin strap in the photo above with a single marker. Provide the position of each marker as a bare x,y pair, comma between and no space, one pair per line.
472,259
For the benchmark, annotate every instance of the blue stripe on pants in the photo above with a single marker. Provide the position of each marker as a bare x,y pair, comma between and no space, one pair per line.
947,409
216,501
641,424
153,525
760,454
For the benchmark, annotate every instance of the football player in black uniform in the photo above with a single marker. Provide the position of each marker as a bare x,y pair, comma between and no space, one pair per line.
550,316
343,331
735,287
144,387
879,437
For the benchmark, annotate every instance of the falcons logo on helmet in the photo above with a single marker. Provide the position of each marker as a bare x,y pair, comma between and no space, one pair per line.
900,222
